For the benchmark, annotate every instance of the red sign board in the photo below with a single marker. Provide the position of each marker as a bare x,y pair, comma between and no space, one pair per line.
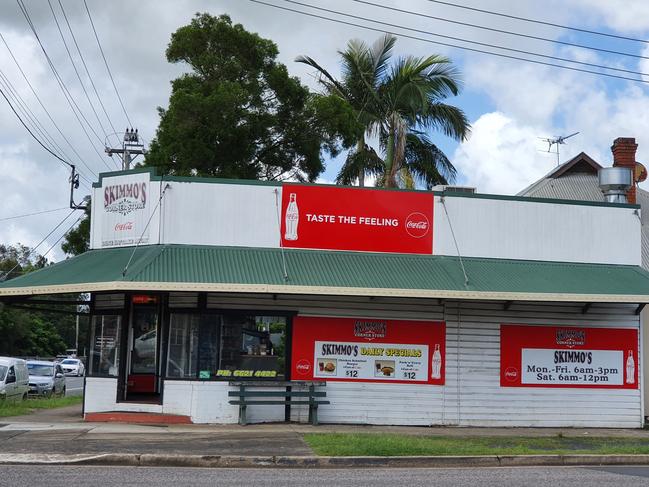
368,350
362,219
567,356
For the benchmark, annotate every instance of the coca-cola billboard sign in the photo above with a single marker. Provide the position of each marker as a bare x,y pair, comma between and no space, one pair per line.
125,210
358,219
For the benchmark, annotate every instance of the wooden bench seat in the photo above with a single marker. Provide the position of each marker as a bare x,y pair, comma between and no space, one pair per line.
306,394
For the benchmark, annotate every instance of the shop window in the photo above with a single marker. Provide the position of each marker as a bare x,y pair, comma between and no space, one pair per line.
105,336
252,347
183,345
208,352
193,349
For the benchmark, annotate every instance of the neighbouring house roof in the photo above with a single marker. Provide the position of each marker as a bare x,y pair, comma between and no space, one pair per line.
261,270
577,179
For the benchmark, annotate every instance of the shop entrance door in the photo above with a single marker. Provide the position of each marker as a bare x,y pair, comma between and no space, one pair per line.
143,350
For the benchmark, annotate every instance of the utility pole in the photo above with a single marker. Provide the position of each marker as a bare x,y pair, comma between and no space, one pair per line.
131,148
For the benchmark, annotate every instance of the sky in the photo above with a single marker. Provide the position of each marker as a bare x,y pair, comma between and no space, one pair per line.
512,105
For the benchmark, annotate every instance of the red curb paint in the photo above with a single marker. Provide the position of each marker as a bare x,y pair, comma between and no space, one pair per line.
138,418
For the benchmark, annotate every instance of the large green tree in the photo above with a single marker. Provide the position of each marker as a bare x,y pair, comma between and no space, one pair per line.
238,114
25,333
402,104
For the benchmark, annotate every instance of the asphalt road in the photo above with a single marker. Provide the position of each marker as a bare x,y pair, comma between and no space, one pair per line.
54,476
73,386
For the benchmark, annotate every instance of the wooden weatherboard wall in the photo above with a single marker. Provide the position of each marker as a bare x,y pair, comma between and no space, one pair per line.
471,396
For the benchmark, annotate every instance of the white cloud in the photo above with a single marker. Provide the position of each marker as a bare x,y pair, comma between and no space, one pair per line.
502,156
625,16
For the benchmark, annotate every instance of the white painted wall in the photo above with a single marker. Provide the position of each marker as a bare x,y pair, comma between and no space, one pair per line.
505,229
101,396
221,214
226,214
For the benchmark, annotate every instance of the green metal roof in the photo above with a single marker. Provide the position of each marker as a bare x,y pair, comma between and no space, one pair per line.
239,269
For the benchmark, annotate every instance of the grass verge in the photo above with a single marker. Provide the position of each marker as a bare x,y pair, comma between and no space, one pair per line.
29,406
340,444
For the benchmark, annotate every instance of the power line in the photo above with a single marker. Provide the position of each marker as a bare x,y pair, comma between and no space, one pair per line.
32,133
86,68
74,66
16,217
502,31
430,41
541,22
107,67
37,126
21,106
42,105
68,96
62,235
469,41
31,251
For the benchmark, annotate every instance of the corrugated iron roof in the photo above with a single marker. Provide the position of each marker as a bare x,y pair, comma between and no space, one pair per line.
205,268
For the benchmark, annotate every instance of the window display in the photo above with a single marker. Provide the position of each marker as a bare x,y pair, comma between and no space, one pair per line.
104,355
252,347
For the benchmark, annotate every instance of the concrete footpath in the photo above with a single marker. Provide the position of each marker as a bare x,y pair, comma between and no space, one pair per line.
59,436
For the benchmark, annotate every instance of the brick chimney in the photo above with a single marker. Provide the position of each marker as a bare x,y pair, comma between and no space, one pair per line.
623,150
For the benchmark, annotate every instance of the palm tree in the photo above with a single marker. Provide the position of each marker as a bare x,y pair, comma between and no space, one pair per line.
363,69
400,104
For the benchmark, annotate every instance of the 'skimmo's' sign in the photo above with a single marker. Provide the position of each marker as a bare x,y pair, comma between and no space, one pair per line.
348,349
125,210
125,198
559,356
338,218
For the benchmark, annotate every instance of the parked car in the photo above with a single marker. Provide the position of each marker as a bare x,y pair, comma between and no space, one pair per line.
73,366
45,378
14,379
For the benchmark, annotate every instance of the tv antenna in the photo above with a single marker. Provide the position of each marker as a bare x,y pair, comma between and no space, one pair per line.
557,140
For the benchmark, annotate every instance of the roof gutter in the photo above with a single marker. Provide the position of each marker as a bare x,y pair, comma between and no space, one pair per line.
121,286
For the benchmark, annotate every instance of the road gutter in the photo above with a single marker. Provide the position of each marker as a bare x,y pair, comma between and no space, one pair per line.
233,461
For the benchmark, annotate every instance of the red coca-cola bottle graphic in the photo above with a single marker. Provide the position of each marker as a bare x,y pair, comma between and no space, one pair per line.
291,219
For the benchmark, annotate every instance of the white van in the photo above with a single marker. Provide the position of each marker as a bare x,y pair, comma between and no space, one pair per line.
14,379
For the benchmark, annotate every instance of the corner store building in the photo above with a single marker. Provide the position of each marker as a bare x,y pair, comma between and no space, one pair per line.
509,290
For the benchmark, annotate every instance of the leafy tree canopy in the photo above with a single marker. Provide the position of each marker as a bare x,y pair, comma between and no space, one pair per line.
25,333
238,113
77,240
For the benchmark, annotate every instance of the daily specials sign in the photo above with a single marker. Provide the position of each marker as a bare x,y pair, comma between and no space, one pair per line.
368,350
558,356
371,220
125,210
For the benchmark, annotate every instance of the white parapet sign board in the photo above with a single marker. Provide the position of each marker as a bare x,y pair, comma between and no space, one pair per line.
122,209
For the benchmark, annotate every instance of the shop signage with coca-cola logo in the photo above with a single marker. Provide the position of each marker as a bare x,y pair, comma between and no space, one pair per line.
361,219
125,210
553,356
366,350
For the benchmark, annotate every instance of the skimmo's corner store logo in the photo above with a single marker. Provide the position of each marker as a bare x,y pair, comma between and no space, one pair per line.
125,198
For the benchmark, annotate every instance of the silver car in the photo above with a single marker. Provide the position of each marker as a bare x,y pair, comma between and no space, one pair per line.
46,379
